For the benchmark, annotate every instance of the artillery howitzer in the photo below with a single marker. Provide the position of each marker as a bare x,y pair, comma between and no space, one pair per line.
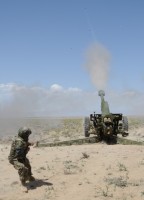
106,126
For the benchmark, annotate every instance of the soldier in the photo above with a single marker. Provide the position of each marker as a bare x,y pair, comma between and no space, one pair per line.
17,156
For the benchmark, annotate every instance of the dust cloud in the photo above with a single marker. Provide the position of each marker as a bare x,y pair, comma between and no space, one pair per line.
26,101
44,107
97,65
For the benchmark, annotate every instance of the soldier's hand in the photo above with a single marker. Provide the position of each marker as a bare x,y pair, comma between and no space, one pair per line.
34,144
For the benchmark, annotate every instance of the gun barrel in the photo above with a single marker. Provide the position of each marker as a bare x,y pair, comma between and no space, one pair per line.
104,104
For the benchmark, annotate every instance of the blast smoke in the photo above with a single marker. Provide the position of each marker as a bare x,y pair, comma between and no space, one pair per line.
97,64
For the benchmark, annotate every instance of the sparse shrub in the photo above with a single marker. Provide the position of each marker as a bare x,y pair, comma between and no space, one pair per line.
103,192
122,167
117,181
70,168
85,155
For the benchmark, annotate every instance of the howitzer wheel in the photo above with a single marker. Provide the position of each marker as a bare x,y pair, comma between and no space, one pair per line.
125,126
86,126
125,123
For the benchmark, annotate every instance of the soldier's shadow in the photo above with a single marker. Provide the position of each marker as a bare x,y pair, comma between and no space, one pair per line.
38,183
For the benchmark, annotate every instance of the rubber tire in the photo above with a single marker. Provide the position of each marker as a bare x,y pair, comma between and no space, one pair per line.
86,126
125,123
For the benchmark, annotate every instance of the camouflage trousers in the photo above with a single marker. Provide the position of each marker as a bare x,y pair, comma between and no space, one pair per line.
24,169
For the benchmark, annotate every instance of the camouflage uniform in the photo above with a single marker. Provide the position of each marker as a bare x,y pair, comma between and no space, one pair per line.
17,156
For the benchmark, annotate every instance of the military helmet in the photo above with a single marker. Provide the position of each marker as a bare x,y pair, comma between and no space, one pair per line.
24,132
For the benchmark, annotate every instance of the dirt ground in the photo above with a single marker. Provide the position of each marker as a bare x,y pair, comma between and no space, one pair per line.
79,172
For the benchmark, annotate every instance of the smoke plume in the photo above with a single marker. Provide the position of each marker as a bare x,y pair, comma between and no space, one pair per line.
97,64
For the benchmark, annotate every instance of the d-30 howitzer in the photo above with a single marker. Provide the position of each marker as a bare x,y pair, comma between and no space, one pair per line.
105,125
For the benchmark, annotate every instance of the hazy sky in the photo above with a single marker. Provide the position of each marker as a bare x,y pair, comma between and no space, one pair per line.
56,54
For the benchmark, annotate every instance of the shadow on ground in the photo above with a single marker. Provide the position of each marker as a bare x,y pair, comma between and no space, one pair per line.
38,183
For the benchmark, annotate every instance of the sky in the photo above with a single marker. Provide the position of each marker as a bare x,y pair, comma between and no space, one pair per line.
55,55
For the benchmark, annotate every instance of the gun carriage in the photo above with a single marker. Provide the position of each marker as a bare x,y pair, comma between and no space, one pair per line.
106,125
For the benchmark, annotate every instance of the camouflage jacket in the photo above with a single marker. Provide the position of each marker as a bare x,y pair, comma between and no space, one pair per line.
19,149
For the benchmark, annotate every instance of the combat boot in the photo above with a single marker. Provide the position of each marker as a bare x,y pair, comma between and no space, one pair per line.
31,178
23,185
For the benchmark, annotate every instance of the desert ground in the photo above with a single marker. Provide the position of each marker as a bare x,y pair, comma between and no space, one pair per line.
77,172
